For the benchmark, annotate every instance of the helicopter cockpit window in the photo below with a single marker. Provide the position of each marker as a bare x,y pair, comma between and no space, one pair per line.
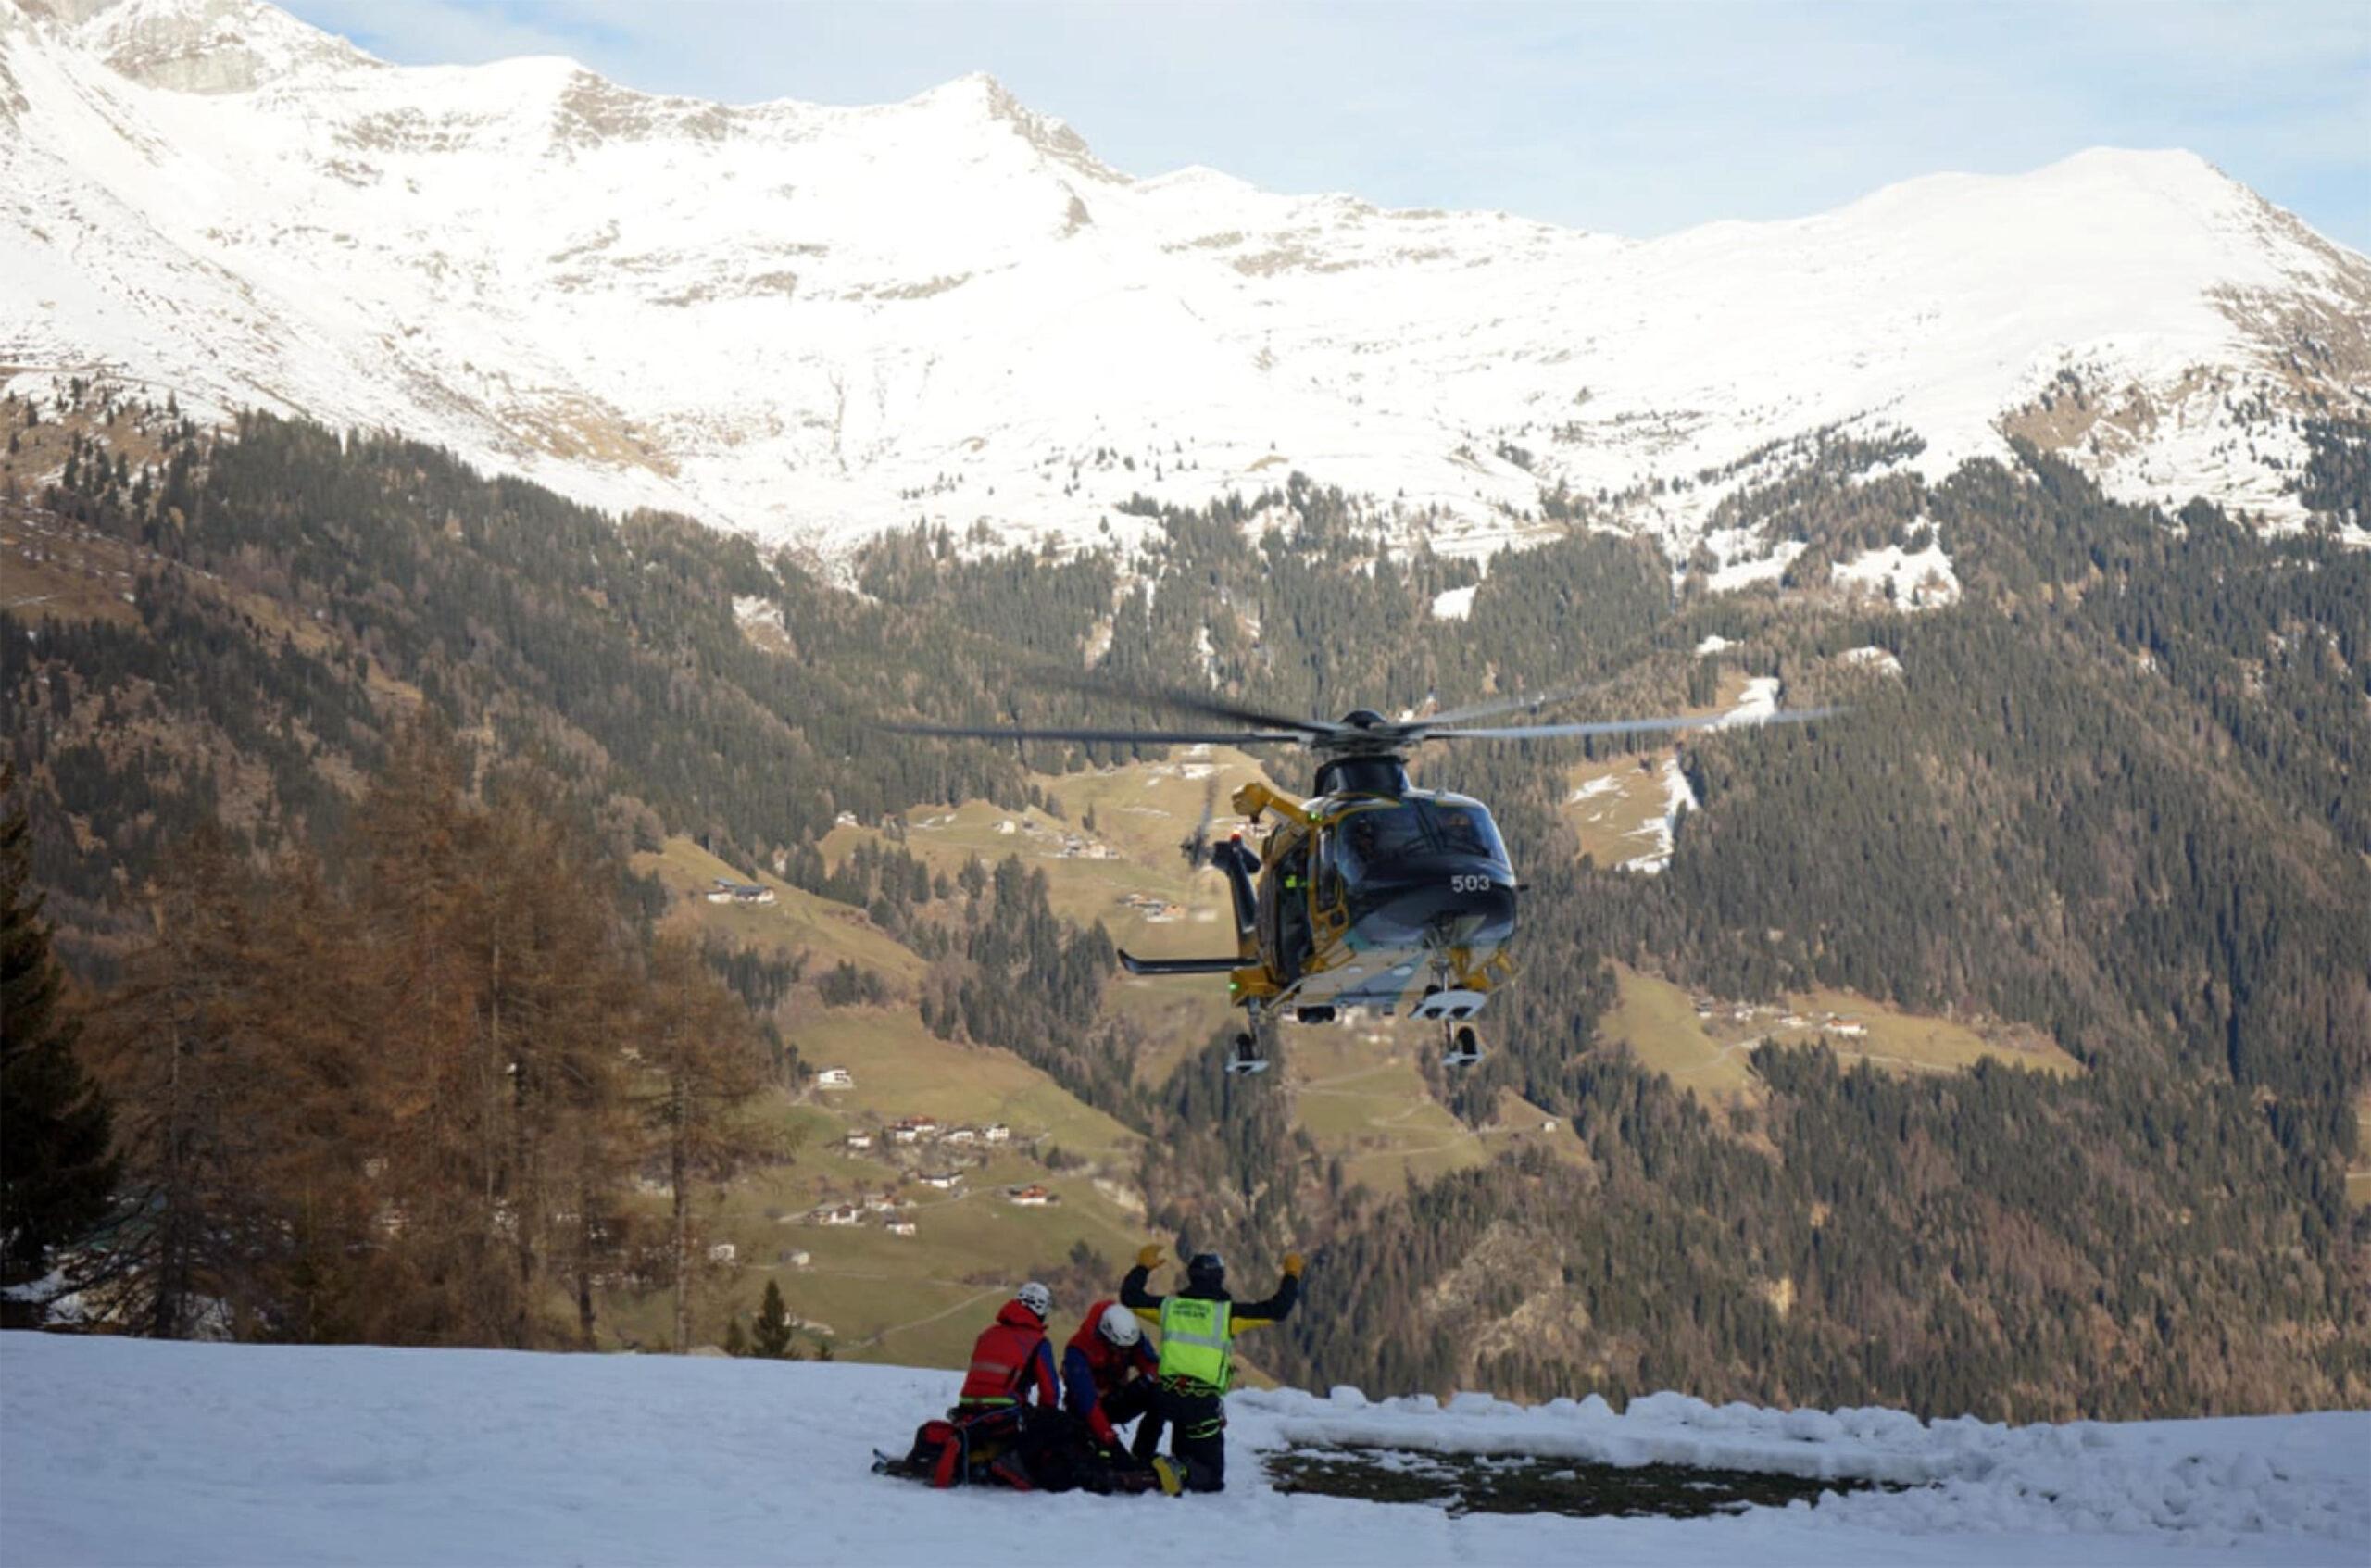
1374,840
1466,830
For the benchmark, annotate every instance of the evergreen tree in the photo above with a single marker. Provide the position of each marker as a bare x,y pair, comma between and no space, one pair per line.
737,1342
771,1337
55,1174
699,1039
168,1043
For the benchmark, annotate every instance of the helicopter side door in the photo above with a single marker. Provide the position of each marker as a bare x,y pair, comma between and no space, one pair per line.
1285,937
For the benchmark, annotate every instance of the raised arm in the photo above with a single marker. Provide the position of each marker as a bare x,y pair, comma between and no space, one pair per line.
1252,1315
1133,1293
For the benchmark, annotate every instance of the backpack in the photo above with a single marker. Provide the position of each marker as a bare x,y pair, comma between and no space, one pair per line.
937,1453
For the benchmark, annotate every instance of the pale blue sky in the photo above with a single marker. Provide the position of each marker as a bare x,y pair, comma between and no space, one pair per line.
1630,119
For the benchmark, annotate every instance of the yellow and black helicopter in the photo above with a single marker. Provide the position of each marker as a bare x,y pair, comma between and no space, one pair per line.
1370,893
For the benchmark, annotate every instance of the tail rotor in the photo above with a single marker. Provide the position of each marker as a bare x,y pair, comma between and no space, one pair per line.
1195,846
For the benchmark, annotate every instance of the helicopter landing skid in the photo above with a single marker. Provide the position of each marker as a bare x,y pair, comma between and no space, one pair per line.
1459,1046
1248,1055
1459,1005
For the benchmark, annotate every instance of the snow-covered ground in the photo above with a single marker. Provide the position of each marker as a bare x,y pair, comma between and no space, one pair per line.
128,1452
1755,703
1913,579
1679,796
815,322
1872,657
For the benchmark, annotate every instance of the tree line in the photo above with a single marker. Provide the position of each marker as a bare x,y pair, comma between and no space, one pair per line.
402,1093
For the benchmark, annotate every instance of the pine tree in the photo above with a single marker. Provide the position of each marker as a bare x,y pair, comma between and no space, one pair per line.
55,1174
319,1091
736,1343
169,1044
698,1039
544,955
771,1337
503,975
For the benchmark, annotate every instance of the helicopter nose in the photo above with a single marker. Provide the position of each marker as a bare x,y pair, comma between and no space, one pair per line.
1454,908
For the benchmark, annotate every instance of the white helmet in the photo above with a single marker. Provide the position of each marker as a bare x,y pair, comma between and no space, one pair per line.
1120,1326
1035,1297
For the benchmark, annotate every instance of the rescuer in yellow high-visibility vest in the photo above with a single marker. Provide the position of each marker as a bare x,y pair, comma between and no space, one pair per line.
1197,1329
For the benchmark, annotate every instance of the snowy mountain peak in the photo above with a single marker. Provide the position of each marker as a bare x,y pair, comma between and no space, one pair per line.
1048,135
2140,195
977,103
201,45
817,323
2175,171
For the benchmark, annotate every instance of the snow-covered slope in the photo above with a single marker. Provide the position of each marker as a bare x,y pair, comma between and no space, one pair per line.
817,323
130,1451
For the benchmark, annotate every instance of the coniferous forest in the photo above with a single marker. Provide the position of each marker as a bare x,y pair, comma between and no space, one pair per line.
337,1012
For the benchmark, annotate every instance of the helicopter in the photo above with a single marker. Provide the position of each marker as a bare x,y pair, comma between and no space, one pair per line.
1369,893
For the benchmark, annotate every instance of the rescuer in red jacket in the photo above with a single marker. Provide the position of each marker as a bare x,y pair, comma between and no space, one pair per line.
1108,1371
1012,1366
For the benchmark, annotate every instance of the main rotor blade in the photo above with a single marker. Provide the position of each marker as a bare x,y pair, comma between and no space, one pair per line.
1170,697
1636,726
1150,737
1531,703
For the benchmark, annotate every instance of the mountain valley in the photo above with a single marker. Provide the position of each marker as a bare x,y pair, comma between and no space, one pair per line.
1661,1177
